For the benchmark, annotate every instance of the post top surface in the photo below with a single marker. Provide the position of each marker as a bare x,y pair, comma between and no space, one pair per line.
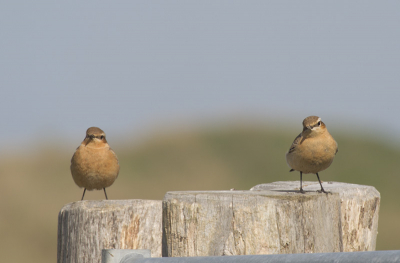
112,204
287,189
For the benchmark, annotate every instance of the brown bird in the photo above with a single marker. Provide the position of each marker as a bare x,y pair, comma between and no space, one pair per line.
94,165
313,150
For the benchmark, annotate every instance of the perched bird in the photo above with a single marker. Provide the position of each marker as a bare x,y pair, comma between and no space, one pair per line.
94,165
313,150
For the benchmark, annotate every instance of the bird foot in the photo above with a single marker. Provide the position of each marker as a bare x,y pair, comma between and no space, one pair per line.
323,191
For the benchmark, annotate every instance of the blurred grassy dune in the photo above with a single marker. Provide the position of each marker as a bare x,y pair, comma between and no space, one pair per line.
35,186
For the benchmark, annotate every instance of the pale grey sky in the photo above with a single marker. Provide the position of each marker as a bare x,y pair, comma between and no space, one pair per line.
129,65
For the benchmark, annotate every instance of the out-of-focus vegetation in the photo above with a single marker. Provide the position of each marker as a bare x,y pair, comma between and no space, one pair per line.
35,186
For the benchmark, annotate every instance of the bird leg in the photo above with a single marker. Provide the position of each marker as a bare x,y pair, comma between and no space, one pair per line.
105,193
322,189
301,183
83,194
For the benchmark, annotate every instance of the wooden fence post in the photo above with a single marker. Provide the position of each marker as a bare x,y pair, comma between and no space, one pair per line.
271,219
87,227
359,211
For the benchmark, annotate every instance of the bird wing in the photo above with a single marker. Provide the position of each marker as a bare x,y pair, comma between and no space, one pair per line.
295,143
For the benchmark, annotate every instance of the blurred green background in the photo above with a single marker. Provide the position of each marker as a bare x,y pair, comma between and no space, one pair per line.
214,157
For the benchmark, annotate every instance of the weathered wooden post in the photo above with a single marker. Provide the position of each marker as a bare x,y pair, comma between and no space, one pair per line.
87,227
271,219
359,211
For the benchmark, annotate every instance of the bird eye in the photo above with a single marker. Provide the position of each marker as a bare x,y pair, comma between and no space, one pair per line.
319,123
101,137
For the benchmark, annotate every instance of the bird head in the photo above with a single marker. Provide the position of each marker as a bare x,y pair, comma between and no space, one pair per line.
313,126
95,136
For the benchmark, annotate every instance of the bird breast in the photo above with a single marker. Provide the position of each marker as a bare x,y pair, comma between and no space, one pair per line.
94,168
313,155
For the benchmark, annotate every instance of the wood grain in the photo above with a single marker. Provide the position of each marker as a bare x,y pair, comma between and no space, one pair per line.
271,219
87,227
